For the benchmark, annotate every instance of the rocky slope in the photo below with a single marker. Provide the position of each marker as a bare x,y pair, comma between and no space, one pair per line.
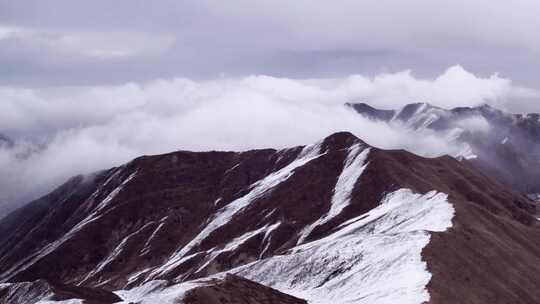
334,221
43,291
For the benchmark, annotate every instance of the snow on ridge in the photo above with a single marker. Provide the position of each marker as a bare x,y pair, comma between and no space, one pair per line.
374,258
353,167
93,216
114,254
115,192
355,164
157,292
37,292
226,213
237,242
146,247
420,109
465,152
70,301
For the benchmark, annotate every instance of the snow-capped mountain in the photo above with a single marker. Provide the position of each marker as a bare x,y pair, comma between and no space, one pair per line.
336,221
503,145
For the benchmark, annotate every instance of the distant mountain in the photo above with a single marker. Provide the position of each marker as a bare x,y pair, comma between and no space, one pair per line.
5,142
501,144
338,221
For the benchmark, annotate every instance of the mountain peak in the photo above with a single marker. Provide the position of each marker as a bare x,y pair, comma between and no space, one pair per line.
371,112
153,230
343,139
487,109
411,109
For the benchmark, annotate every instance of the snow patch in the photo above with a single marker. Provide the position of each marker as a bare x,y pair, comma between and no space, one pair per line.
231,169
465,152
70,301
114,254
374,258
36,256
226,213
146,247
156,292
236,243
115,192
354,166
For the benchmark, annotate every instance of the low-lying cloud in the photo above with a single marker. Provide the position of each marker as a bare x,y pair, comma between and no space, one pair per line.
83,129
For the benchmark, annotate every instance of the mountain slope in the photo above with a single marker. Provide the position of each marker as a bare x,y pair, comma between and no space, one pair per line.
334,221
503,145
43,292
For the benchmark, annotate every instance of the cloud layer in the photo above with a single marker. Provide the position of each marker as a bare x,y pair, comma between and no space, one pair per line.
74,130
74,42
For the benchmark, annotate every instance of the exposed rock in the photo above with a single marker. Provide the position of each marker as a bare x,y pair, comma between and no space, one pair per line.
237,290
33,292
326,209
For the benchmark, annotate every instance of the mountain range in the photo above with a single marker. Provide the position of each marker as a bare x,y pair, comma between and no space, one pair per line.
335,221
506,146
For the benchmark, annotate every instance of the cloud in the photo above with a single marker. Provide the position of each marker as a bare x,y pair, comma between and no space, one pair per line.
74,130
104,42
455,87
474,124
7,32
86,45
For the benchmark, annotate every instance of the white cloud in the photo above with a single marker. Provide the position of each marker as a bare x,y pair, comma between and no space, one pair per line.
474,124
103,42
455,87
108,45
91,44
10,32
91,128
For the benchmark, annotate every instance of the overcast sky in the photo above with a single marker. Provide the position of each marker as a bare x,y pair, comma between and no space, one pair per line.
75,42
86,85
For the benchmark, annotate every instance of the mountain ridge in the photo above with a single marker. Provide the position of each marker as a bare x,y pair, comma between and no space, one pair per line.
502,145
185,216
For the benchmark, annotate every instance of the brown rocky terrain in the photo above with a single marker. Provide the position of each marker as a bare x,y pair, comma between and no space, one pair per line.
237,290
31,292
183,216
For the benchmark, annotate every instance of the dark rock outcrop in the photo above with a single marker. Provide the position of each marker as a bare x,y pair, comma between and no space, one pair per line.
234,289
32,292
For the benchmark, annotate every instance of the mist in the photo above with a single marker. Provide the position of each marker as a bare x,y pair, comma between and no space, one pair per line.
64,131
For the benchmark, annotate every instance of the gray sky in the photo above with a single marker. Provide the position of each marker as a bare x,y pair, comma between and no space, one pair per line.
86,85
77,42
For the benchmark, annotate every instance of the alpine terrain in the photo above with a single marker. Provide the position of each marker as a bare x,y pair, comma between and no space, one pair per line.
506,146
337,221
